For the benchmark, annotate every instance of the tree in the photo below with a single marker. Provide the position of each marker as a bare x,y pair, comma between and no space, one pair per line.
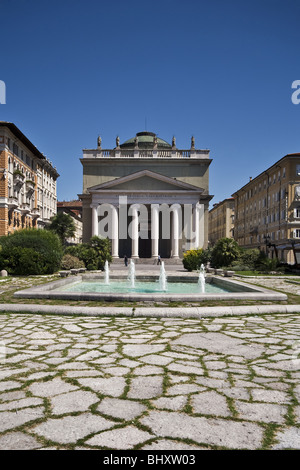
225,251
63,225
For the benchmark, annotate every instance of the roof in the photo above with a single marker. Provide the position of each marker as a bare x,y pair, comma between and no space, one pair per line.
145,140
16,131
289,155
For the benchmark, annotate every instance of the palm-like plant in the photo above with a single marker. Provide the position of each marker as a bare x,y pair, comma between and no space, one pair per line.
63,225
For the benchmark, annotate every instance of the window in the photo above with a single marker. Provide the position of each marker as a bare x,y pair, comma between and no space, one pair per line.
297,233
297,212
298,170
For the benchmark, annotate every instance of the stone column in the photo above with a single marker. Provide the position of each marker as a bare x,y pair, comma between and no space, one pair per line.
199,225
94,219
175,231
114,232
134,231
154,230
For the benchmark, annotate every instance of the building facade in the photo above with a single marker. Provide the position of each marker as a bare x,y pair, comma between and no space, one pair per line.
27,182
147,196
221,221
267,211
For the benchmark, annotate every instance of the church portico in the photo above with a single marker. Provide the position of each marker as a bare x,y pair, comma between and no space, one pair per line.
146,213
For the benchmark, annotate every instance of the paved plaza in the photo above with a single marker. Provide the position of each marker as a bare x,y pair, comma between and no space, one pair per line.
80,382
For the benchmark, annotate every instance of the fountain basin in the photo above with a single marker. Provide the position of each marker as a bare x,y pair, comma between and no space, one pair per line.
92,287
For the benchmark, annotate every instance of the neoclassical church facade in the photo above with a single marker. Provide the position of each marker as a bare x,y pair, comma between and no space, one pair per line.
147,196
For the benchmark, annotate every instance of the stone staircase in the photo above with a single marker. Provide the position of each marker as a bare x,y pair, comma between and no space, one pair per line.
149,261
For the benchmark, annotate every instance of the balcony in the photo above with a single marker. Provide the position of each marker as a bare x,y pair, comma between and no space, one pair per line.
35,213
13,203
25,208
18,178
30,186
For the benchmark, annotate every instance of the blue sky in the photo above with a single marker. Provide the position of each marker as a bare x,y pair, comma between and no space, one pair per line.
220,70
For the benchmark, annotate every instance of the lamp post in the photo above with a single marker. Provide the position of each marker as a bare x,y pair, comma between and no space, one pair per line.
267,242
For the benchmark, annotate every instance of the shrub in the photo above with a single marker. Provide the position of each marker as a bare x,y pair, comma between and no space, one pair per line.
192,259
31,251
250,257
225,251
268,264
93,254
71,262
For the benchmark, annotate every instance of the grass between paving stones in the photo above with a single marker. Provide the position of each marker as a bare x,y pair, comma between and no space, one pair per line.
269,429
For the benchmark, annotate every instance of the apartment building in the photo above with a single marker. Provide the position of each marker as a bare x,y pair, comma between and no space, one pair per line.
267,211
27,182
221,221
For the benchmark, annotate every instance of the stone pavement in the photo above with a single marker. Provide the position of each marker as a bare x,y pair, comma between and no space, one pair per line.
71,382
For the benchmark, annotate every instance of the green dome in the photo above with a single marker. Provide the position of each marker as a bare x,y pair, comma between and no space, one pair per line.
145,141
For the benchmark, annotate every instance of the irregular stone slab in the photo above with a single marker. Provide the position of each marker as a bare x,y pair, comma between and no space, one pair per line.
264,412
11,372
218,432
237,392
69,429
90,355
156,360
73,401
51,388
113,386
146,387
23,403
72,328
136,350
184,389
123,409
18,441
220,343
148,370
9,384
122,438
174,403
165,444
10,396
117,371
210,403
11,419
288,439
185,369
275,396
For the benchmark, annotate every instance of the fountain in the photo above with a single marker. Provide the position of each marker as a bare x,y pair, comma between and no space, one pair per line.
201,279
106,272
162,277
131,274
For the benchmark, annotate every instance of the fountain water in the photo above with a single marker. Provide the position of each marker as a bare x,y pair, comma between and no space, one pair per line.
131,274
106,272
201,279
162,277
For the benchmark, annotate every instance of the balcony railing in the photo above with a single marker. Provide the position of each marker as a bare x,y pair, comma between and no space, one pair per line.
145,153
18,179
13,202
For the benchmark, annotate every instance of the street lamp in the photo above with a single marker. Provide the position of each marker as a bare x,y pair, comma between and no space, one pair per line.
267,242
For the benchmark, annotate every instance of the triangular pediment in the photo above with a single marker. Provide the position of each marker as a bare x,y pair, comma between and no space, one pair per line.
145,180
